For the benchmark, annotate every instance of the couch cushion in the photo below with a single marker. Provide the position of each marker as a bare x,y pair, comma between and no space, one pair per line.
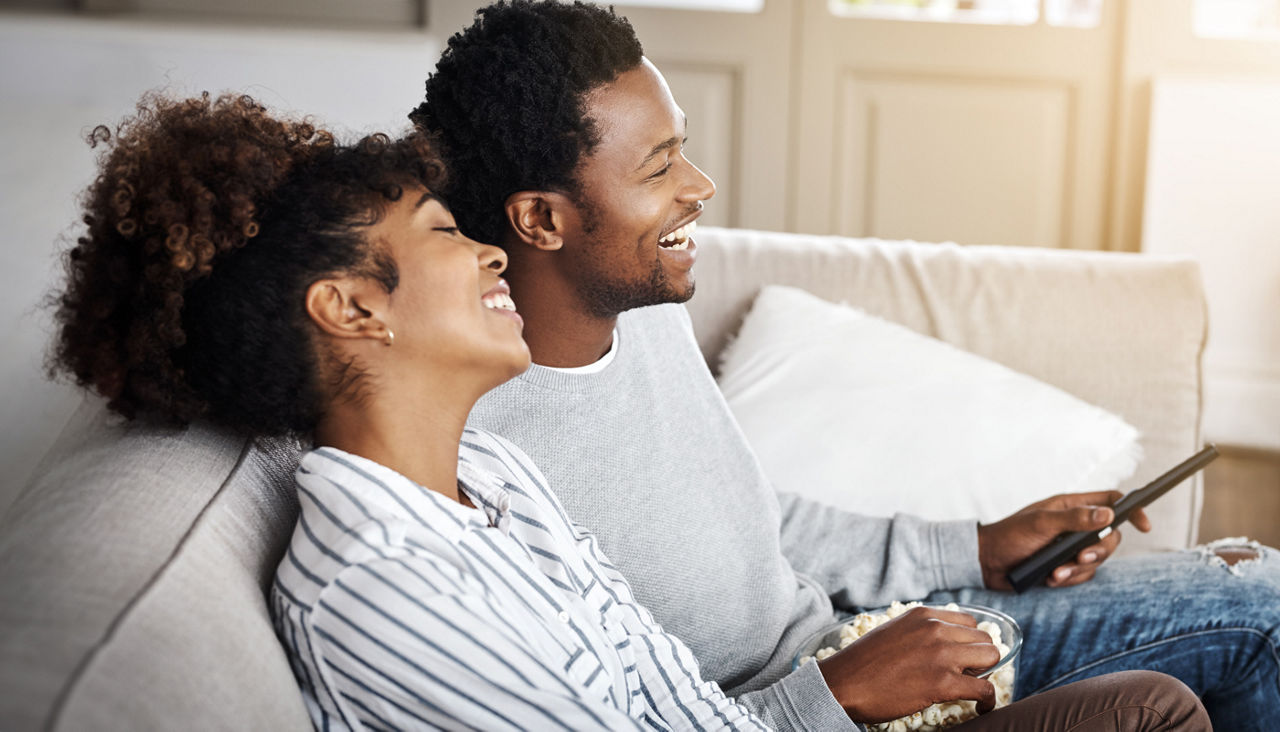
134,565
896,421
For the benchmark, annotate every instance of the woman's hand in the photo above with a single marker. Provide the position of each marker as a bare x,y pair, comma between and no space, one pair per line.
917,659
1005,543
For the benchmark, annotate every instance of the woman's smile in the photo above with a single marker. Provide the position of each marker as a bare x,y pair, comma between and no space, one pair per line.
498,299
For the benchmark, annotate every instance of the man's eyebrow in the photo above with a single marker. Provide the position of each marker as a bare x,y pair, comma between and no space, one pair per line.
666,144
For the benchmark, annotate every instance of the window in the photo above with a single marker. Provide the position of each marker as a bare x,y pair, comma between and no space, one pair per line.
1257,19
732,6
1067,13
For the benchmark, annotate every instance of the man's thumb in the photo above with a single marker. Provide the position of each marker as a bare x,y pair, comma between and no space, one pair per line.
1096,517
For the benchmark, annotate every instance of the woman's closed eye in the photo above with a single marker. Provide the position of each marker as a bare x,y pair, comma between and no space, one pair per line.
446,229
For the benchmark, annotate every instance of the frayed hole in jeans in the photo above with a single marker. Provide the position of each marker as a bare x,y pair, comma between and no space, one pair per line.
1232,554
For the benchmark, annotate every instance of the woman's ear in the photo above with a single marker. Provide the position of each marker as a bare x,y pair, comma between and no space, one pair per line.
538,218
349,308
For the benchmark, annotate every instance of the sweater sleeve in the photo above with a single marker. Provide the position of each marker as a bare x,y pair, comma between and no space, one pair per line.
800,701
865,561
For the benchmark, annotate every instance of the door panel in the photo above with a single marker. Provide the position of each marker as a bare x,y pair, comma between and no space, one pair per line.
980,134
993,155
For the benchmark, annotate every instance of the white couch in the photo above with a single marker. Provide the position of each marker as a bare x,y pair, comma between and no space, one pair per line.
135,561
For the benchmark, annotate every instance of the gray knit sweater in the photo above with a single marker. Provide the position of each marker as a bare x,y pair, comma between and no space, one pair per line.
646,454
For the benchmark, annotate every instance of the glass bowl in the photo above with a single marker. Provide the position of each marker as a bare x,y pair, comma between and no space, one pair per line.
1010,635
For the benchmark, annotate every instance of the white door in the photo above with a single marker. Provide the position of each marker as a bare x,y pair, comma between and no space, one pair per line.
943,131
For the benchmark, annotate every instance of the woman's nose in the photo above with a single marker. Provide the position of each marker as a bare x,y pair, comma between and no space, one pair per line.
491,257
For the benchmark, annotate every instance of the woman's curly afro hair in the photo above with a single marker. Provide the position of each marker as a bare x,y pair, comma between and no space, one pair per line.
507,102
209,218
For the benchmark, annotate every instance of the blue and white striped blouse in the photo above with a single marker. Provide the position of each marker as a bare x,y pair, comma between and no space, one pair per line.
403,609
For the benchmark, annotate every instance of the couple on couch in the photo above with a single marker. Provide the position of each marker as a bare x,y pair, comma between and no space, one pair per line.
252,271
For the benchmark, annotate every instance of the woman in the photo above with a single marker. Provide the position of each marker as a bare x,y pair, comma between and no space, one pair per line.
253,272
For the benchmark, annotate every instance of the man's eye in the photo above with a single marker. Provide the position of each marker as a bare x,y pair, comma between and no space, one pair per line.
446,229
662,172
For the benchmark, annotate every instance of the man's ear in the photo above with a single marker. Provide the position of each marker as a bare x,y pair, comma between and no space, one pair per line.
349,308
538,217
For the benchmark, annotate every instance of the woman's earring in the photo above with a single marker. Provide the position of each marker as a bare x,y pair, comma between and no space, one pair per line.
391,337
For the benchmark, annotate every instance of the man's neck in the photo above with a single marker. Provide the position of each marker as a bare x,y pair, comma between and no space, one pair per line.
564,337
559,330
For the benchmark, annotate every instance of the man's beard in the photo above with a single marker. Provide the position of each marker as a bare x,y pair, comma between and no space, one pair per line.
605,299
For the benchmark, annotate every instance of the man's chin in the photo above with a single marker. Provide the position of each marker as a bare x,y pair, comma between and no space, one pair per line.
611,302
685,294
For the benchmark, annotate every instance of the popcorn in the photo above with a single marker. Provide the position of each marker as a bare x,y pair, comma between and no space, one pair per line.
938,716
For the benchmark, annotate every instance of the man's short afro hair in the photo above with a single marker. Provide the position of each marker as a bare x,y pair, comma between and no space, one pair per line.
506,104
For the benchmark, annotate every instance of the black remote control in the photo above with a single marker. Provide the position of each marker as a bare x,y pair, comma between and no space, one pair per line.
1035,568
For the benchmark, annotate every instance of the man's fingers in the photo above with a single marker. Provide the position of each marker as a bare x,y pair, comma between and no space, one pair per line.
1140,520
1060,575
954,617
1098,553
1079,518
1079,576
1092,498
969,687
980,656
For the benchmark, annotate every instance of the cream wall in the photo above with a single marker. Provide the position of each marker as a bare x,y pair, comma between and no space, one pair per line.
59,76
982,134
1213,196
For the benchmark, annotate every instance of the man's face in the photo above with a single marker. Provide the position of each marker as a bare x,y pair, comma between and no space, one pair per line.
640,197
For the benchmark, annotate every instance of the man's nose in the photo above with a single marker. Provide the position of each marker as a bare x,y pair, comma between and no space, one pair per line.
699,186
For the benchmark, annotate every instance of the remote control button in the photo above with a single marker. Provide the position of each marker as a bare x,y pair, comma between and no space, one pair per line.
1104,533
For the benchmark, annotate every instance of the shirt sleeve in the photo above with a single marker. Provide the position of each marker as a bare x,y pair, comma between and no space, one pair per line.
668,670
866,561
405,643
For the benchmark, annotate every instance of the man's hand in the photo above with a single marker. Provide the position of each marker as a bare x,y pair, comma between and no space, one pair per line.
917,659
1005,543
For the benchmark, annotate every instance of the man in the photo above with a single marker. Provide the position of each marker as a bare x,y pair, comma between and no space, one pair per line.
566,148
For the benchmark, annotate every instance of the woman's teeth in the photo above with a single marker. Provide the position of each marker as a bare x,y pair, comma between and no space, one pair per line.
679,239
499,301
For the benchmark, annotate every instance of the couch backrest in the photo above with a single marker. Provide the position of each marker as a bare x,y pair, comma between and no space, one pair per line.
1122,331
134,567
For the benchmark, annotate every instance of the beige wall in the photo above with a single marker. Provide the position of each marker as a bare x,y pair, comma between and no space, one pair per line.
61,75
981,134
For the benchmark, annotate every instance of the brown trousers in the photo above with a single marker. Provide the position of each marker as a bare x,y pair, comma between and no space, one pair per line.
1124,701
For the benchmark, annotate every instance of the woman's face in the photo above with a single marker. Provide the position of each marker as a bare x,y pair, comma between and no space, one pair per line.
450,310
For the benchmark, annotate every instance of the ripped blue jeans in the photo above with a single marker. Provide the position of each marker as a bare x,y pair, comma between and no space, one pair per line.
1187,614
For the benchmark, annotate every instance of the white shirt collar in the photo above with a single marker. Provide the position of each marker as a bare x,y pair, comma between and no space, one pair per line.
592,368
400,495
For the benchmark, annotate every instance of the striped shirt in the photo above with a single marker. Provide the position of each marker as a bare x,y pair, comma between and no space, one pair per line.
402,609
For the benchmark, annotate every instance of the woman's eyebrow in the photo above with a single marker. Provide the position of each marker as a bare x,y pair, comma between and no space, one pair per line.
429,196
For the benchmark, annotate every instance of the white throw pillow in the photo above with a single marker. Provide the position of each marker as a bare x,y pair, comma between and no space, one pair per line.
872,417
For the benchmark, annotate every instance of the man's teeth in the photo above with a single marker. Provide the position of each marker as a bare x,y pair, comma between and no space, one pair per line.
680,235
499,301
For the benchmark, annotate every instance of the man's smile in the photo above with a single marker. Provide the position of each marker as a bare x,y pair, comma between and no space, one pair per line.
679,237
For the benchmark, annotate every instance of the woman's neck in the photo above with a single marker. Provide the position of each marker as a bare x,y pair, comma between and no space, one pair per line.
418,441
